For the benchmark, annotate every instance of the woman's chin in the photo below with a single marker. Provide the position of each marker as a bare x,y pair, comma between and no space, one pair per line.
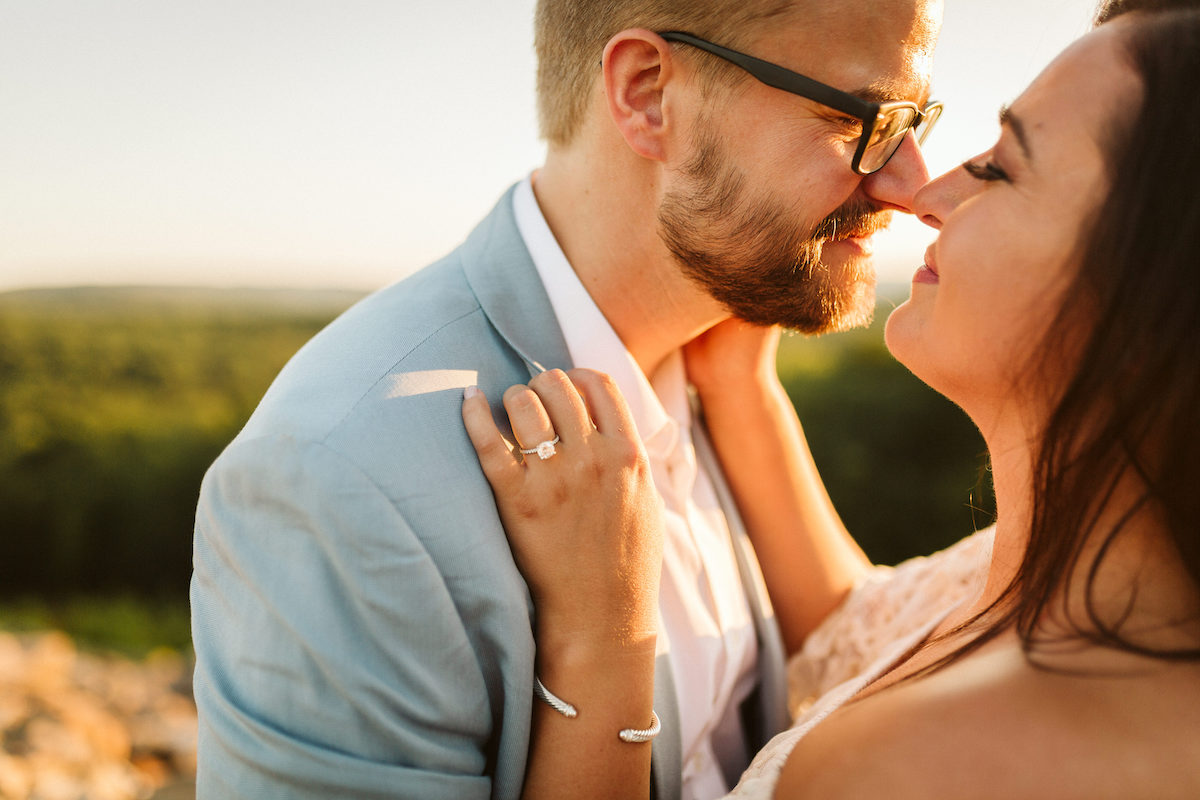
898,330
917,349
905,336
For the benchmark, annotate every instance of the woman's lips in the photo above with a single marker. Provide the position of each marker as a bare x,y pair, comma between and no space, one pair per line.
927,273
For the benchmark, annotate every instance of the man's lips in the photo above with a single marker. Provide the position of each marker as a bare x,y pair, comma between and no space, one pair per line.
864,229
859,238
859,245
859,223
855,233
849,234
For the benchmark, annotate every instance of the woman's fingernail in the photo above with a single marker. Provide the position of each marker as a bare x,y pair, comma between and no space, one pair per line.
470,392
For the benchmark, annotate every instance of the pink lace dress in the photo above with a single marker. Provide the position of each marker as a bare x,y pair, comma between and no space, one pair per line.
886,615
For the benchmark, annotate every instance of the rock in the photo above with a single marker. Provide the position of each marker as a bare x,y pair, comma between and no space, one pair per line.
79,726
16,776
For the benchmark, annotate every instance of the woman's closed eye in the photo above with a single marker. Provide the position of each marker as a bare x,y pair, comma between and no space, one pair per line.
987,171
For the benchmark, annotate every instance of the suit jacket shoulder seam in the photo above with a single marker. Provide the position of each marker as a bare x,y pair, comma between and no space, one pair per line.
391,368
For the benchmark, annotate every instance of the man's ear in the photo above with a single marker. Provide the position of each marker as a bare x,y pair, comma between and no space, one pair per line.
637,67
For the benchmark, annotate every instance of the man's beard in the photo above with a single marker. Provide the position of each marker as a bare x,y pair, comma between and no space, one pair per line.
750,256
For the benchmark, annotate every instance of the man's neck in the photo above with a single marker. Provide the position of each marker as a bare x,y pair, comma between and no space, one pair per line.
606,224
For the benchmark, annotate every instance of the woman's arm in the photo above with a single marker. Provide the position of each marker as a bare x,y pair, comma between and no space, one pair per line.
585,527
809,560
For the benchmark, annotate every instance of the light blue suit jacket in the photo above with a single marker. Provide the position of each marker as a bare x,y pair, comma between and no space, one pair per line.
361,630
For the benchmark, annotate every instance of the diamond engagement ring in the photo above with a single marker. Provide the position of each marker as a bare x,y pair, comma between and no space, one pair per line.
543,450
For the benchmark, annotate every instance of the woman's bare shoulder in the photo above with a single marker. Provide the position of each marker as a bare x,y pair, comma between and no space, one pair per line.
994,726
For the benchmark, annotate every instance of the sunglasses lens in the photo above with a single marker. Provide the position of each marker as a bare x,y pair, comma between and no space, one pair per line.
890,127
933,112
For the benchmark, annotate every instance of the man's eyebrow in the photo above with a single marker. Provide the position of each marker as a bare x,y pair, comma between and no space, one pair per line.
888,91
1014,123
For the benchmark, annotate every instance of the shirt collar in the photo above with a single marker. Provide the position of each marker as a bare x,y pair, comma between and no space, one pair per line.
594,344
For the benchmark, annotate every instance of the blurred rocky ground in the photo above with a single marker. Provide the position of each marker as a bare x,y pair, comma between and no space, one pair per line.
80,726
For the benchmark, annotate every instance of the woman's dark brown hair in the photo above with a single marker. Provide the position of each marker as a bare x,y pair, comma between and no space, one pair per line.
1131,406
1111,9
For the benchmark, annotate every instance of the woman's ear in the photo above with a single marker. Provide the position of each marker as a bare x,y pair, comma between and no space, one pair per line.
637,67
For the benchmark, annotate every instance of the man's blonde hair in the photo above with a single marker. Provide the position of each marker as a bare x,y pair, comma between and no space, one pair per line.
570,35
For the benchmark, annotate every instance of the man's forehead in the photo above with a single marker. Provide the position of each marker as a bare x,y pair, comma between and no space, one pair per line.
879,50
911,83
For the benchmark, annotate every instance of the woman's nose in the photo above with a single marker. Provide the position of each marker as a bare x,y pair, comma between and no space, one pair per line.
935,200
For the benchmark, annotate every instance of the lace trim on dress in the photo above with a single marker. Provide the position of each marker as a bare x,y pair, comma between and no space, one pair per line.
888,613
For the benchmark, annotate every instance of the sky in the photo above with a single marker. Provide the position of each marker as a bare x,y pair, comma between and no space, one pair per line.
308,143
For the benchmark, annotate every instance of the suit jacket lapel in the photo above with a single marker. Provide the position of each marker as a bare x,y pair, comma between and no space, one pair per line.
502,275
666,767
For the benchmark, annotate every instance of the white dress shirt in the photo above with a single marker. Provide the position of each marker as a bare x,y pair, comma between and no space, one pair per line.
705,621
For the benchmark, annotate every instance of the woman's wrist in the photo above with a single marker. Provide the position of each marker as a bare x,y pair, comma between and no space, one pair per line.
734,358
604,614
567,644
754,391
608,672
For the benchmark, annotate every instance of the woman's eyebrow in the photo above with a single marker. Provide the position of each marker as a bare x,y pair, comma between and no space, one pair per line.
1013,122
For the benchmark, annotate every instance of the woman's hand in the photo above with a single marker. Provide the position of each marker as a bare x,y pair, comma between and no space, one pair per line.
807,557
584,524
731,357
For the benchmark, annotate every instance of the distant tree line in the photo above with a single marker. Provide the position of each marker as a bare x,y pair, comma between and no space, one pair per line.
904,466
112,405
114,402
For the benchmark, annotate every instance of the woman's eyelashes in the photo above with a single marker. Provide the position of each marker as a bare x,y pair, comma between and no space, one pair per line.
987,171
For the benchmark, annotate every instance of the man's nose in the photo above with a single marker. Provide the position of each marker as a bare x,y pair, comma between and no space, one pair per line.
897,183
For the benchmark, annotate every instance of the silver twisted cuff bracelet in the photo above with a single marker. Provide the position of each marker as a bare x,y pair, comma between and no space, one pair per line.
634,735
631,735
554,701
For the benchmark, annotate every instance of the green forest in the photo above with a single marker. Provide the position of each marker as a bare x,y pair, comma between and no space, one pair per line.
113,402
